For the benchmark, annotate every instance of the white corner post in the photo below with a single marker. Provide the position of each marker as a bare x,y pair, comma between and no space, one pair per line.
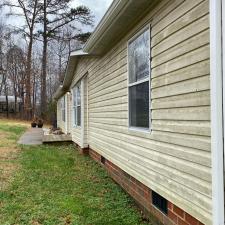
66,113
216,82
82,112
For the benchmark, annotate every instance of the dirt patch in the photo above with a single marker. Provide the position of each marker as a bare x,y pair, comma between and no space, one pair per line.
3,135
6,174
8,150
35,223
15,122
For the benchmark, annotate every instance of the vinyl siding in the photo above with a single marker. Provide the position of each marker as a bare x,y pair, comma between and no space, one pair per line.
69,112
175,158
80,134
60,123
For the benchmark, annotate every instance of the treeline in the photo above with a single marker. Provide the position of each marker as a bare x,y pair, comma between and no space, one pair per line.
33,55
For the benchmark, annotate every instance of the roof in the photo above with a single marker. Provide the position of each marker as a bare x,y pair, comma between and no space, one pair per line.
117,21
72,62
11,99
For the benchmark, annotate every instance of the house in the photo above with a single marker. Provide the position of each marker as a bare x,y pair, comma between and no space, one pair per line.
144,97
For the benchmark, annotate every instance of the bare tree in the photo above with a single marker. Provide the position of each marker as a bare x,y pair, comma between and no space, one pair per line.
16,72
55,15
47,21
29,10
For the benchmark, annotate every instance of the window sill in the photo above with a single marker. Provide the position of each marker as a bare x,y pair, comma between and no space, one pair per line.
76,127
139,129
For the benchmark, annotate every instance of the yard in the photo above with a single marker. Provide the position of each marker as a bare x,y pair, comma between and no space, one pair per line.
54,185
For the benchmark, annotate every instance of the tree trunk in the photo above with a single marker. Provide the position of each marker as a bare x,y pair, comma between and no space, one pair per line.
7,101
28,108
33,96
15,103
44,65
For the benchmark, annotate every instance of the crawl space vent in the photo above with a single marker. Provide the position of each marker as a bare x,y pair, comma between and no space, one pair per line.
159,202
103,160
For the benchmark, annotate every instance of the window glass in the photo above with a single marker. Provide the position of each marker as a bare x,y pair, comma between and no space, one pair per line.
139,57
77,105
139,105
74,97
74,107
78,95
139,80
78,116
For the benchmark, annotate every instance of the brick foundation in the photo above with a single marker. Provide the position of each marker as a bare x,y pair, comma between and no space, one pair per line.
82,151
142,195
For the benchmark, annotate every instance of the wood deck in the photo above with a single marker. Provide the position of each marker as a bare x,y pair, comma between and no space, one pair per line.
52,138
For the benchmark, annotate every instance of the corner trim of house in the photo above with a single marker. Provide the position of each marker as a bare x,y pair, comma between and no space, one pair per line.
216,112
66,113
82,112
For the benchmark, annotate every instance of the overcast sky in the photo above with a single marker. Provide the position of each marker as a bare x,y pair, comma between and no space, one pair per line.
98,8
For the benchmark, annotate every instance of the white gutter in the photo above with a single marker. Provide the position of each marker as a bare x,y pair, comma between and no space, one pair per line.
71,66
216,111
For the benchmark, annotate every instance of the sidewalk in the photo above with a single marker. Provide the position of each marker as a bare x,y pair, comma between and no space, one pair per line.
33,136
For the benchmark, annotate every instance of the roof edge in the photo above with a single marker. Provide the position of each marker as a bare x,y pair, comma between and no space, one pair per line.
105,22
71,65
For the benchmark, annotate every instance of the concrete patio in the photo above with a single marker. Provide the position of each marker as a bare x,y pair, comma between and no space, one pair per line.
33,136
38,136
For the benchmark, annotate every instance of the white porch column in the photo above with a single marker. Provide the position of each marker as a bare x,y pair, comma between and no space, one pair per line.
216,111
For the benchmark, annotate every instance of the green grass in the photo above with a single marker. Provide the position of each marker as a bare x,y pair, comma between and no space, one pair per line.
13,129
57,186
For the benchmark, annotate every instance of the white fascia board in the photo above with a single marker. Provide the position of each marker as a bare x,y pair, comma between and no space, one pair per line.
71,66
78,53
216,112
58,93
72,63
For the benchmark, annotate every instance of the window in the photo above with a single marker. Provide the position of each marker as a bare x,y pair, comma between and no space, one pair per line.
63,108
77,105
139,80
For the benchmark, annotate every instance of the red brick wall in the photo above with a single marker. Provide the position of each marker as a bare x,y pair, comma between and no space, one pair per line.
142,195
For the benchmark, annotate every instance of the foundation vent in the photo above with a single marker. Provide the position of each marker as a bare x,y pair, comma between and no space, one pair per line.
103,160
159,202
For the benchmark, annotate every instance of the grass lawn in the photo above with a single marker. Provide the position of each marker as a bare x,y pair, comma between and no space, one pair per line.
54,185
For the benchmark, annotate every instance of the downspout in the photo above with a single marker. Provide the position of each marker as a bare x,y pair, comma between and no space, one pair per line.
216,111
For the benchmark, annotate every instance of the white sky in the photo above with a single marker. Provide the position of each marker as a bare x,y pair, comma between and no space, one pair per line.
98,8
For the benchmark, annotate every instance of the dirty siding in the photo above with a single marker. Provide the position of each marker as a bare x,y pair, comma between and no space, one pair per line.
174,159
60,122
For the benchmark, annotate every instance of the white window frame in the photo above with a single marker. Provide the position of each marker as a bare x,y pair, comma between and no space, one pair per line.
142,129
63,108
75,106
